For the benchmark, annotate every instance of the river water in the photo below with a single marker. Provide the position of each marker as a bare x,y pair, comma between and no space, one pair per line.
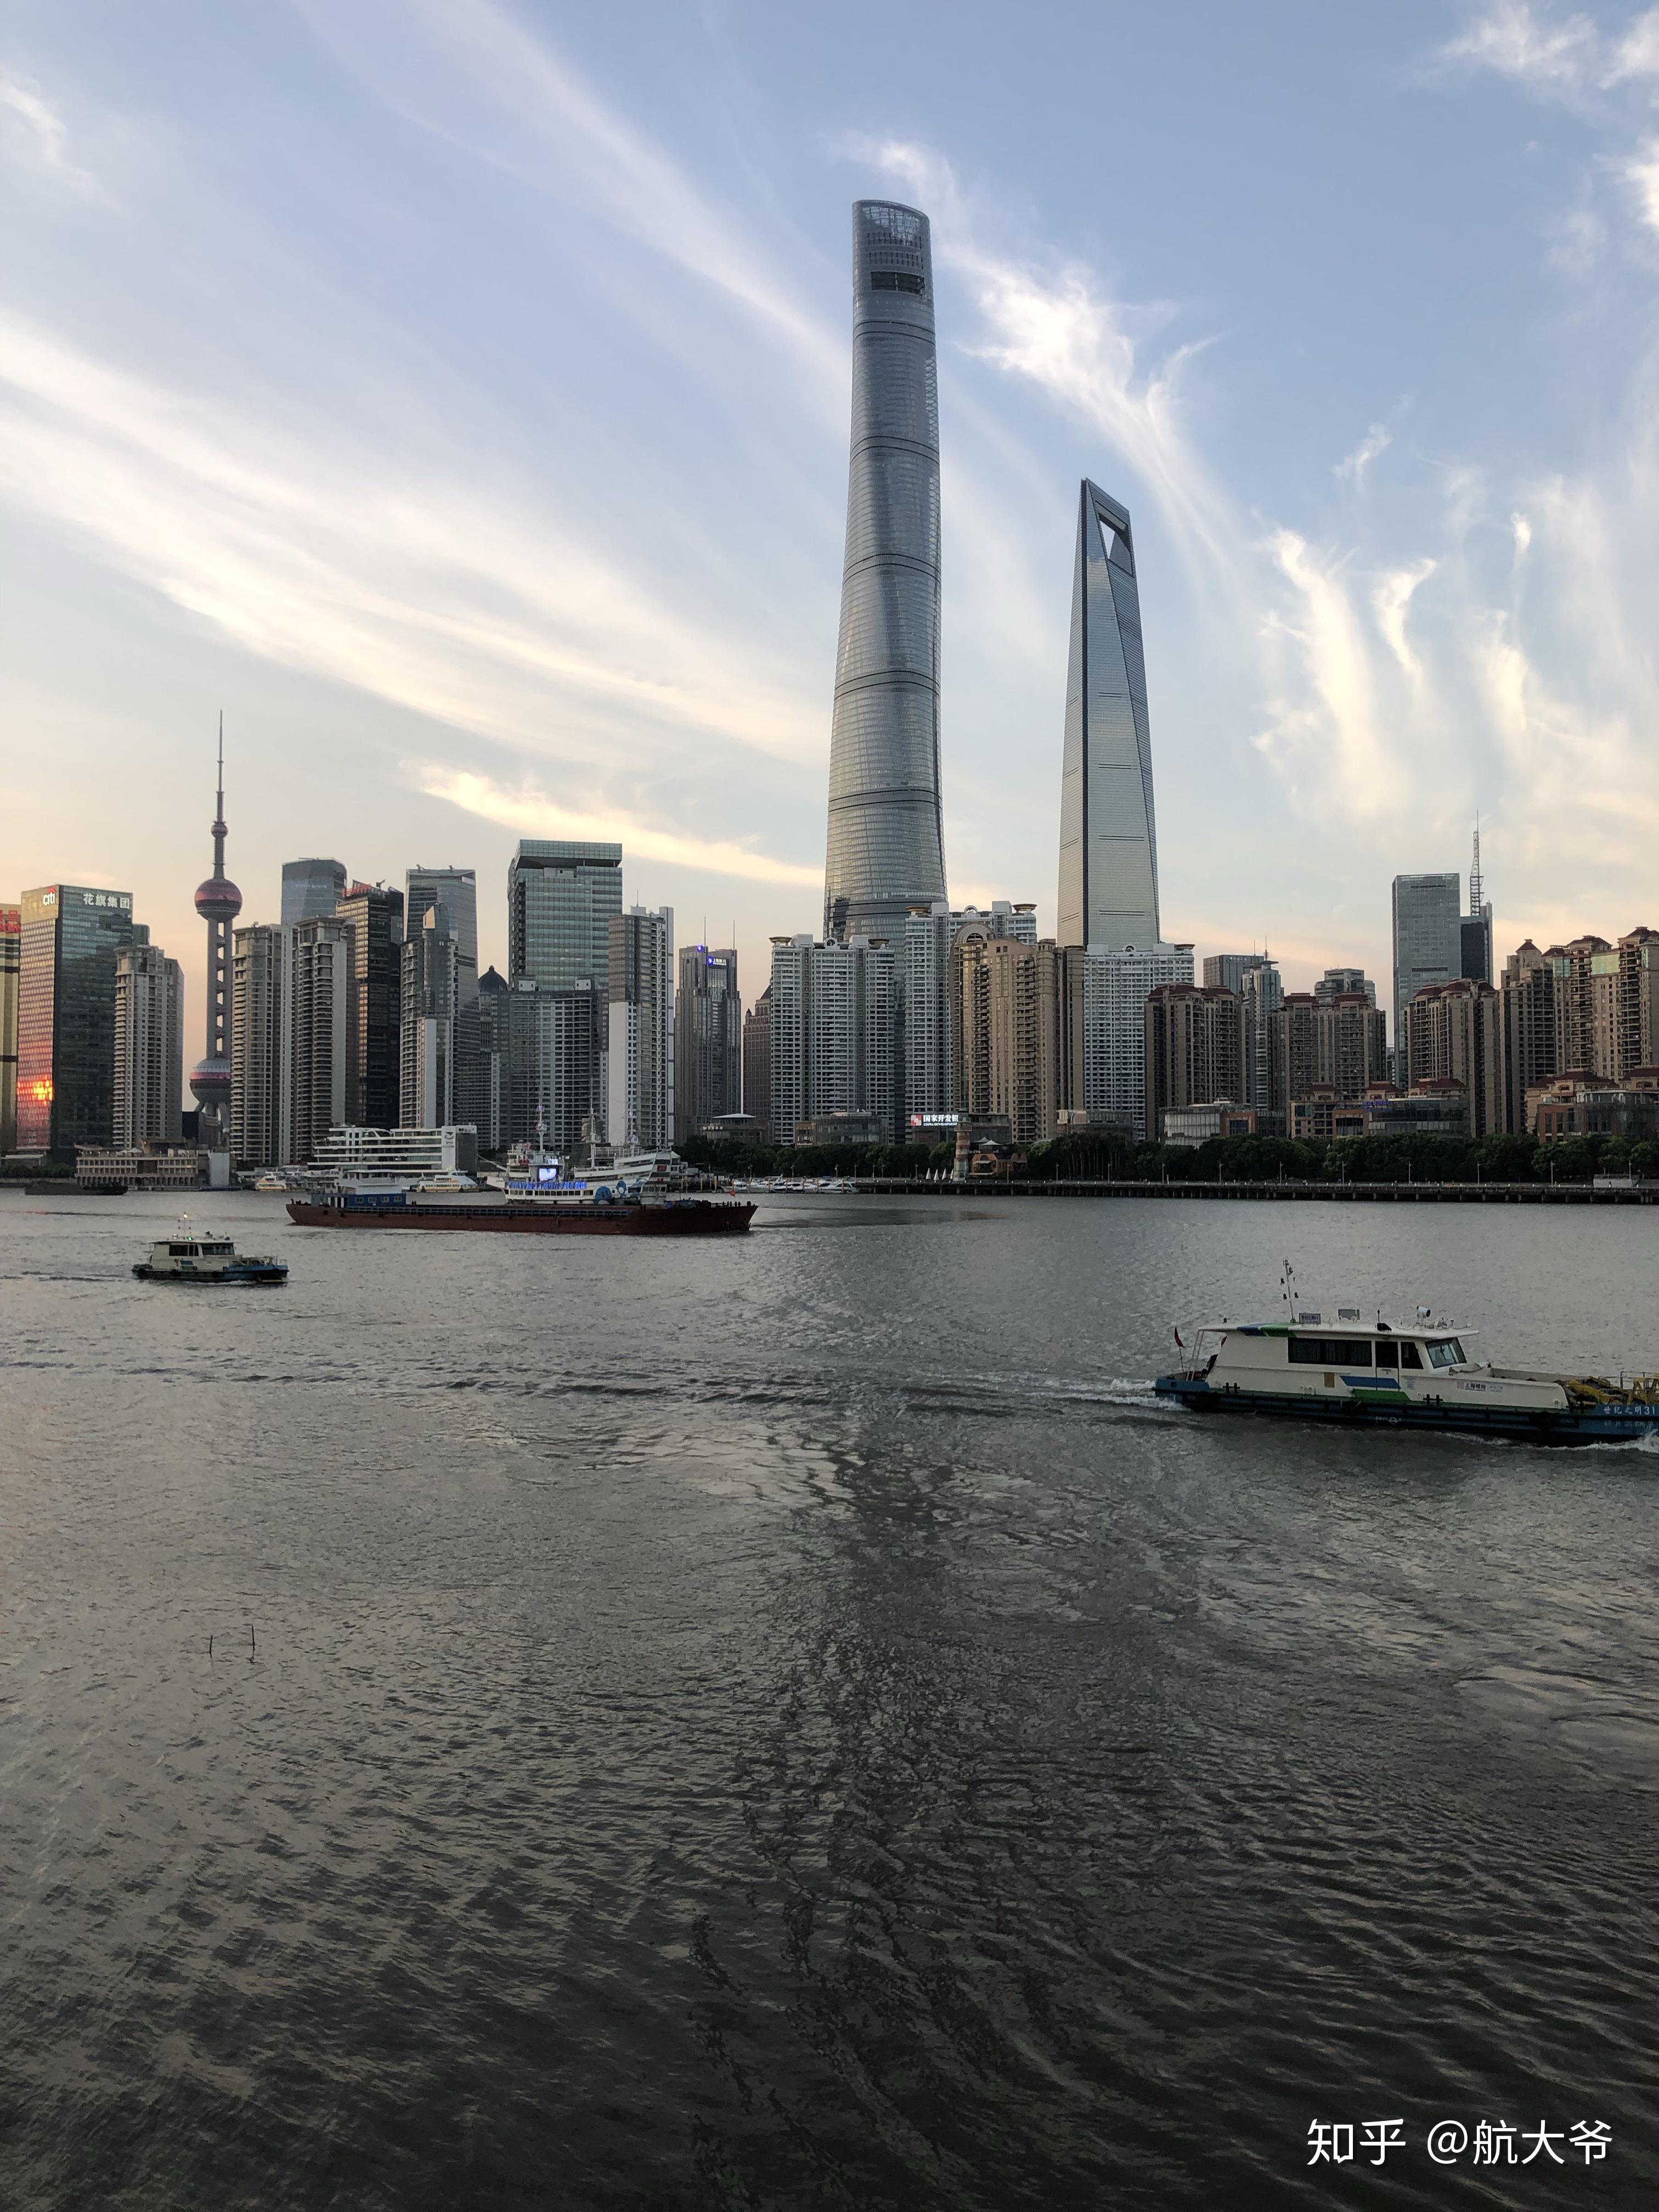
792,1723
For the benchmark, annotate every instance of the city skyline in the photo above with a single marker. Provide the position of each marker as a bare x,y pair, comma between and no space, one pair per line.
1389,592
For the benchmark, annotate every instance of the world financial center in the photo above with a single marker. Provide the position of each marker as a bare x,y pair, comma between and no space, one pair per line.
886,852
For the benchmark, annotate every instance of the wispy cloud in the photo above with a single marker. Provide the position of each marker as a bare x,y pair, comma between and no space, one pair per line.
1351,468
33,133
1525,44
529,812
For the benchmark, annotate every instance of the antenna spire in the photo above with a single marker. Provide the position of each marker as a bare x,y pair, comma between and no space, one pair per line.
1475,885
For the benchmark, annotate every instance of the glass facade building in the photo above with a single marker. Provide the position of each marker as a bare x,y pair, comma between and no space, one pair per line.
1428,938
11,943
69,940
311,888
708,1037
1108,830
376,916
885,850
561,896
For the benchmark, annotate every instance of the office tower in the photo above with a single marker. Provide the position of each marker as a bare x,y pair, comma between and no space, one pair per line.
1428,944
69,942
1108,832
1226,971
757,1062
11,943
1263,992
218,902
1343,982
321,1038
834,1032
1103,998
486,1102
553,1043
427,1021
886,851
707,1038
1454,1033
561,900
149,1048
1005,1015
456,891
376,917
640,1038
260,1017
1474,931
311,888
1195,1050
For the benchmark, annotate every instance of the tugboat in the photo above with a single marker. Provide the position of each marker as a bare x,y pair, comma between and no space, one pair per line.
185,1257
1402,1375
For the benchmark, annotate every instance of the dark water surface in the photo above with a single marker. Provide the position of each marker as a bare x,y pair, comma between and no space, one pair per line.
792,1723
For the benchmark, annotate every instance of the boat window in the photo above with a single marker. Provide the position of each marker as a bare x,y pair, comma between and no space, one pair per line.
1446,1351
1410,1356
1331,1350
1388,1355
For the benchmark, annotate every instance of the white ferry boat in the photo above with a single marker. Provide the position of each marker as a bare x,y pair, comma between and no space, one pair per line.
1402,1375
189,1257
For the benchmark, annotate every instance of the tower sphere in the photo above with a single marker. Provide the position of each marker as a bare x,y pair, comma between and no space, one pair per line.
210,1080
218,900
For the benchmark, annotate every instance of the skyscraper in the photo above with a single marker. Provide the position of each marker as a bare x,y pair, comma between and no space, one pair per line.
218,902
833,1032
1474,931
561,897
707,1038
69,940
553,1047
1005,1004
1428,942
428,1023
1108,834
320,1035
11,942
455,889
311,887
885,850
1193,1049
376,916
149,1047
757,1062
260,960
640,1039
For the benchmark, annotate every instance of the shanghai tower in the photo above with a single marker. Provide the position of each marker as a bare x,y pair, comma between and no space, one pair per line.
885,852
1108,834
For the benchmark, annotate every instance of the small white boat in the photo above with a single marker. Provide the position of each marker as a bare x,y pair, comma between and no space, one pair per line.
191,1256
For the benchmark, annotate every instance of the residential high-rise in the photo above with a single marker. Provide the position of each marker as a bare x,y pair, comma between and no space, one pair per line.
321,1036
1108,833
1455,1033
69,942
311,888
1194,1048
927,992
218,902
1103,1017
11,942
149,1048
1006,1010
561,897
1638,1036
834,1032
1262,991
1428,944
757,1062
260,1015
640,1038
1474,931
428,1022
1530,1058
708,1037
885,850
375,915
1340,1043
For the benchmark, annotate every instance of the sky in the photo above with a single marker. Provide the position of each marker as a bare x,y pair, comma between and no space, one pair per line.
454,393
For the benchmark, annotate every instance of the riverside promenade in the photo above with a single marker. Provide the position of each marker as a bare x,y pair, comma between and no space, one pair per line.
1317,1194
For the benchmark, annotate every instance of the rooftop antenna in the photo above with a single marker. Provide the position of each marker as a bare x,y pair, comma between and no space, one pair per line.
1474,870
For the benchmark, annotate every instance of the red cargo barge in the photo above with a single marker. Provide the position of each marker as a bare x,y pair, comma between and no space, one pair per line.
594,1213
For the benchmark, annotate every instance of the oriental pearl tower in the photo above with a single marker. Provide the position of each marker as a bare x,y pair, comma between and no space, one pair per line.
218,902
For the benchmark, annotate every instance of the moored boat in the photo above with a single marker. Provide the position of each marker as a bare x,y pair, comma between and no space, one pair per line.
598,1209
189,1256
1402,1375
